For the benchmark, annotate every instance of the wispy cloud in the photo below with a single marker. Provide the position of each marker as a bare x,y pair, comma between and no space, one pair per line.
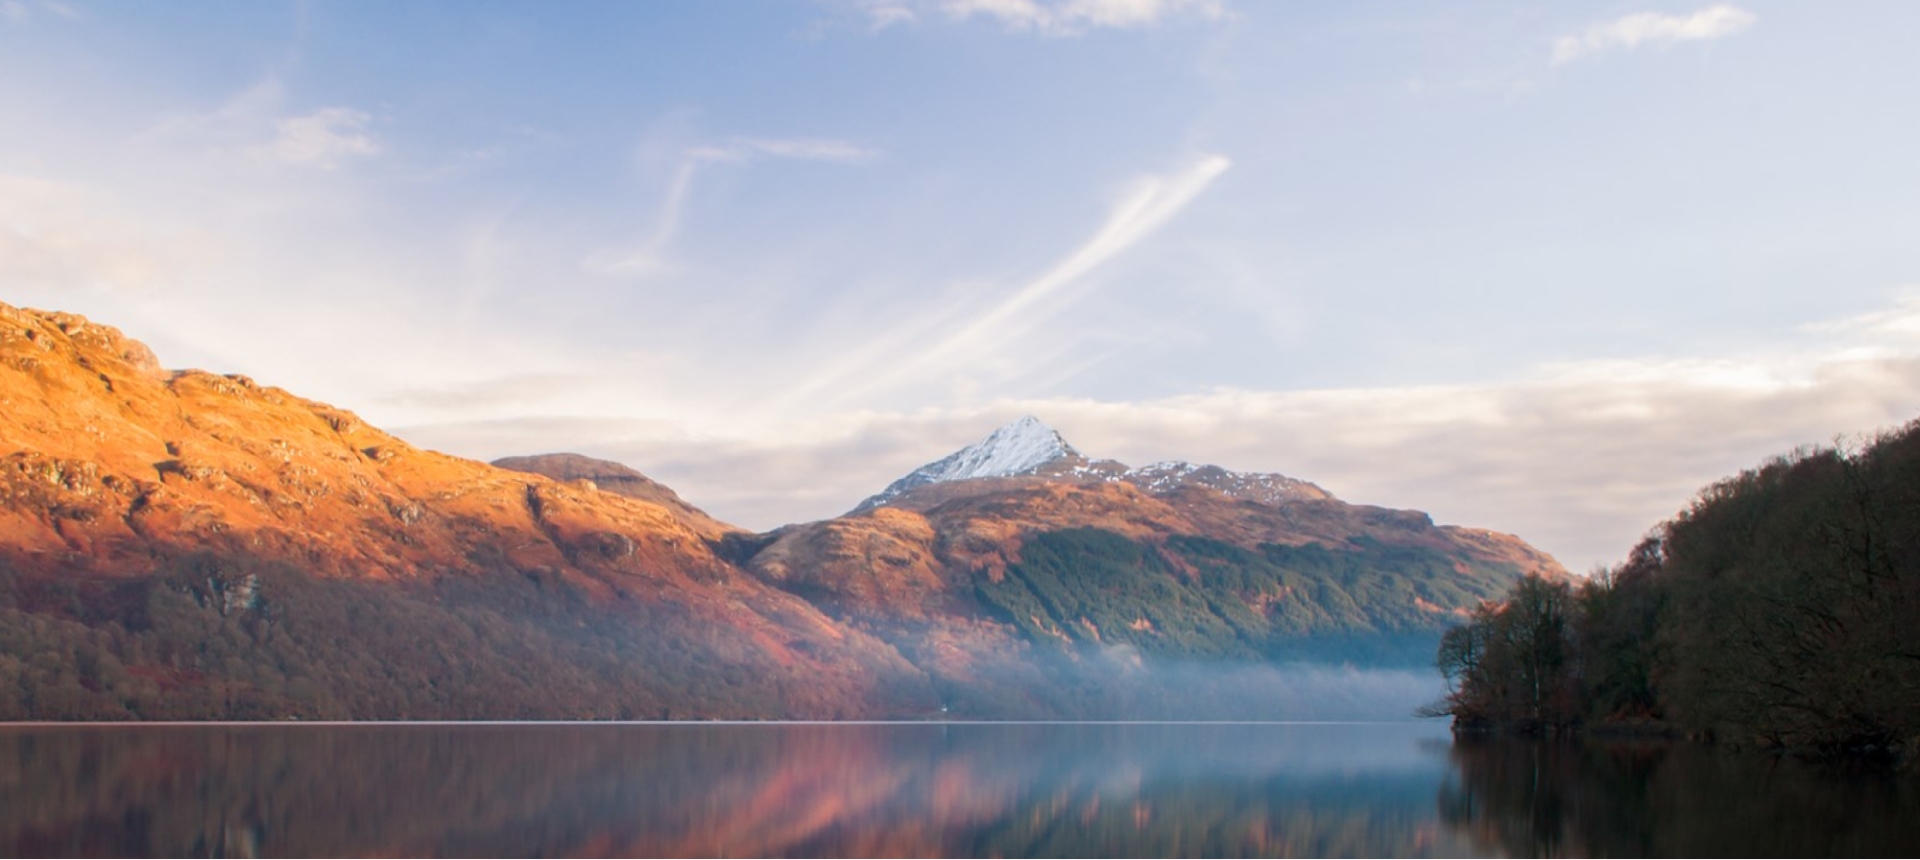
257,123
1147,206
513,391
1901,318
60,237
887,13
803,148
938,343
21,11
323,138
1047,17
1632,31
649,257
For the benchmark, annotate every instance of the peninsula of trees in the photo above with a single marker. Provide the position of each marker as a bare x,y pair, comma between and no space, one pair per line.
1778,609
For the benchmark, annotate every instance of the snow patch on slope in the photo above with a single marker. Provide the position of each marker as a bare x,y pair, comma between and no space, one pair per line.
1165,477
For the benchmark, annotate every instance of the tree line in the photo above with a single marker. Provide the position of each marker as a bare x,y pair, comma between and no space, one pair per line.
1778,609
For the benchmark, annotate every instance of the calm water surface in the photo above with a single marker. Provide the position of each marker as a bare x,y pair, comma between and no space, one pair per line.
920,789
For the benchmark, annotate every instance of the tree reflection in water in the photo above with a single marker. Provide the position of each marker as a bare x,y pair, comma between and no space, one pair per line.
1647,798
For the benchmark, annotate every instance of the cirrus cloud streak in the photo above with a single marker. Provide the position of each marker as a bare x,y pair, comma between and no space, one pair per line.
1632,31
1046,17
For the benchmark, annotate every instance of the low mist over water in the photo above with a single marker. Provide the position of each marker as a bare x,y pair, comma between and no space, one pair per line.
1116,682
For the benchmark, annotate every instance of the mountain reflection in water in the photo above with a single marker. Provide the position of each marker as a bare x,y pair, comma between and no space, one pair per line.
901,789
710,790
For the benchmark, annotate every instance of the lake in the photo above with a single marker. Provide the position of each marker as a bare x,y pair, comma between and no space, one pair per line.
950,789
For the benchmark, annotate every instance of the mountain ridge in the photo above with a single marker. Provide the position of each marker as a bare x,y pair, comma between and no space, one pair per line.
130,494
1028,448
188,545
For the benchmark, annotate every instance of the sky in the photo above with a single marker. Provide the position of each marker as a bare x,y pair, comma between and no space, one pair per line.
1548,269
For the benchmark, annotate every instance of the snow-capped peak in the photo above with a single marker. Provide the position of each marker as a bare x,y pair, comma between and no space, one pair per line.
1017,448
1026,446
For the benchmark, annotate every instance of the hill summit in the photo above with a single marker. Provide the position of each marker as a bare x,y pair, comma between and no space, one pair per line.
1027,448
1023,446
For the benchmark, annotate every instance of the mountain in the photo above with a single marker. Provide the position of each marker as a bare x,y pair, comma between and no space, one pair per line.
181,543
1019,545
620,480
187,545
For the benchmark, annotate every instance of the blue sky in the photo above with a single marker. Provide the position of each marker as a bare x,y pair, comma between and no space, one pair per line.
1542,268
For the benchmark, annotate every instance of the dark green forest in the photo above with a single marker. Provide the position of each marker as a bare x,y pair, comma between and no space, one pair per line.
1778,609
1198,598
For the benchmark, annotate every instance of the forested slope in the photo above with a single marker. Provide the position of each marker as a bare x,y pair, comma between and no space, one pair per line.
1779,608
